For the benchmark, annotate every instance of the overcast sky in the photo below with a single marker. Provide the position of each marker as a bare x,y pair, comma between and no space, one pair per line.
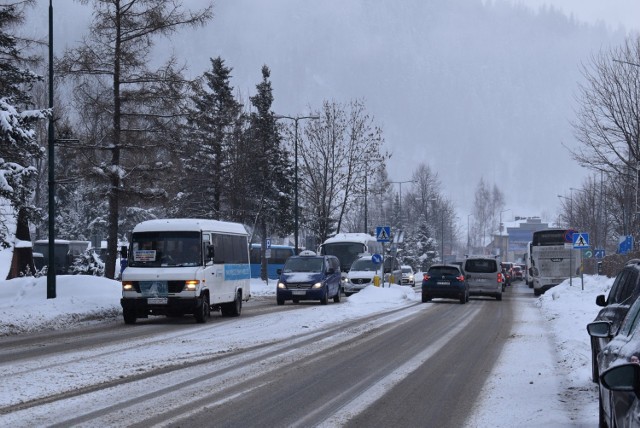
474,88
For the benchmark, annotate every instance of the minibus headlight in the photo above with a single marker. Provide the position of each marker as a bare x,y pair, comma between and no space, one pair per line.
317,285
191,284
127,286
281,285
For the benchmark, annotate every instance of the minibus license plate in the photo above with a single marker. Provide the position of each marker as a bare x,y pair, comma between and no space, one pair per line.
157,300
298,292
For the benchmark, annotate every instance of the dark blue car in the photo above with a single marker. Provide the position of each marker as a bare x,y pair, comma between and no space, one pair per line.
445,281
309,276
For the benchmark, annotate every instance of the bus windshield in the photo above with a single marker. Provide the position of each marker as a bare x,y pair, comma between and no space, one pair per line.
346,252
153,249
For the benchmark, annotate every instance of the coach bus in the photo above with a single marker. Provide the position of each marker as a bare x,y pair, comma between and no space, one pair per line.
553,258
186,266
348,246
279,255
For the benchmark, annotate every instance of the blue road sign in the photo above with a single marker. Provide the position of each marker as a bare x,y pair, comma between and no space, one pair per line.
376,258
268,243
383,233
599,253
580,240
625,244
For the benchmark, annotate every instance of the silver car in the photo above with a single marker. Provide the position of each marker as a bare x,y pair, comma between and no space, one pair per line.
484,276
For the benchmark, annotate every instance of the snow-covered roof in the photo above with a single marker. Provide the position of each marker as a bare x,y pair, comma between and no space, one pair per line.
350,237
189,224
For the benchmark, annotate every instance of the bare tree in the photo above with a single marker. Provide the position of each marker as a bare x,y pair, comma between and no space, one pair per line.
337,152
608,124
116,54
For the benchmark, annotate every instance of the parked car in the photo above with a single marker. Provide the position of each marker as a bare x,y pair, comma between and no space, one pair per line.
618,363
623,293
392,271
361,274
484,277
445,281
309,276
408,276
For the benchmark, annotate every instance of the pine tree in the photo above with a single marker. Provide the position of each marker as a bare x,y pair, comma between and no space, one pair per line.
19,149
209,164
272,174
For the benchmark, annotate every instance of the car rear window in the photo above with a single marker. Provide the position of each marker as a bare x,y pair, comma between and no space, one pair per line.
481,266
440,271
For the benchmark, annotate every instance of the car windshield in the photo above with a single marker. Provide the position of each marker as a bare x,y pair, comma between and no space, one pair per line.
364,265
304,264
406,270
443,271
481,266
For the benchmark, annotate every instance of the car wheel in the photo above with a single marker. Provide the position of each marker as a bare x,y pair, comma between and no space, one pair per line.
336,298
425,298
325,298
202,310
347,294
536,292
499,296
129,316
280,302
463,299
234,308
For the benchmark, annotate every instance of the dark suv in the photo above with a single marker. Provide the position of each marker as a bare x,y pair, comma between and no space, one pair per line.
624,291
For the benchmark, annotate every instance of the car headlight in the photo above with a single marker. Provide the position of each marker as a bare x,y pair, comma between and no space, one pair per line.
127,286
410,277
191,285
317,285
281,285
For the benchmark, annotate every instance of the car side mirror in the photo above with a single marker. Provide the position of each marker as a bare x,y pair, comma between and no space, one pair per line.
279,271
600,329
600,301
211,252
331,270
623,377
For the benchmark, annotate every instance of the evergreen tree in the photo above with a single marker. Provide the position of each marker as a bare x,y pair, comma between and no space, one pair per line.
208,163
272,172
19,150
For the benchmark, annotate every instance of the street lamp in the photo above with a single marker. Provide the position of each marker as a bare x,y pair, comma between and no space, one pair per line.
295,172
500,230
400,183
570,208
468,227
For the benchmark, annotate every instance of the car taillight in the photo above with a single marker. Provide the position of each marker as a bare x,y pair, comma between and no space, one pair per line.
426,277
500,278
460,278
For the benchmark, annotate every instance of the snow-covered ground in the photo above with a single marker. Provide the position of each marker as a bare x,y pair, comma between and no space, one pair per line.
542,376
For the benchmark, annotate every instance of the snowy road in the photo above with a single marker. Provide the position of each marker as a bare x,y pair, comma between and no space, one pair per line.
270,367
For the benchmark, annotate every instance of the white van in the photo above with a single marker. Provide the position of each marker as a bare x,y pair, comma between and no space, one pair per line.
186,266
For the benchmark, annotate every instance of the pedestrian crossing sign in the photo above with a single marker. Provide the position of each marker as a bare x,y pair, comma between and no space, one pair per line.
383,233
580,240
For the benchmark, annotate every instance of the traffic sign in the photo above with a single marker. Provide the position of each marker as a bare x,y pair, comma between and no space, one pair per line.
580,240
625,244
376,258
383,233
268,243
587,254
599,253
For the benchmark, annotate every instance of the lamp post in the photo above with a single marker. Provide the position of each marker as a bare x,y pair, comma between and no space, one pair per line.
570,208
468,228
295,172
400,183
500,230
